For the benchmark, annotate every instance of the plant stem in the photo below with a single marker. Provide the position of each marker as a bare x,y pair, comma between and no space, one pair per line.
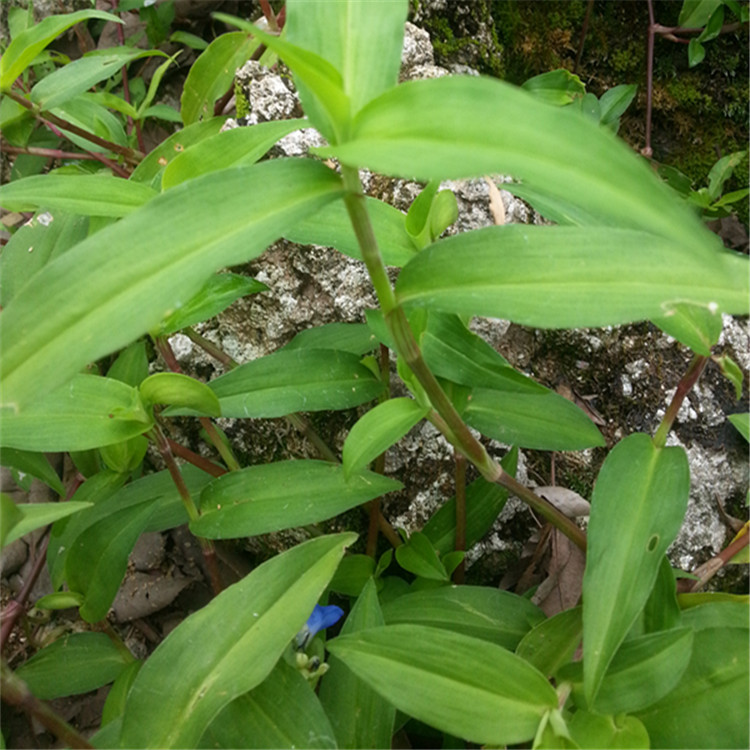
647,151
210,348
128,154
16,693
450,422
196,459
689,379
460,545
207,546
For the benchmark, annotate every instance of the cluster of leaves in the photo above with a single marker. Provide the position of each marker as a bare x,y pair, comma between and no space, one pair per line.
113,260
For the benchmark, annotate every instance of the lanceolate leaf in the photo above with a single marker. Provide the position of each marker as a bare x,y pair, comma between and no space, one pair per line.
180,390
241,635
362,41
297,380
360,716
566,277
215,295
708,708
466,126
212,74
88,412
479,611
332,227
35,515
98,560
283,711
270,497
237,146
464,686
637,507
122,281
29,43
73,664
80,75
89,195
355,338
545,421
378,430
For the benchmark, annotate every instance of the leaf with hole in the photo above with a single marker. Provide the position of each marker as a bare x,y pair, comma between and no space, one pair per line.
637,507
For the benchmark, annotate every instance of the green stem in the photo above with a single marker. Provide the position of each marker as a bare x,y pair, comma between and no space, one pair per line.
218,442
210,348
16,693
450,423
688,380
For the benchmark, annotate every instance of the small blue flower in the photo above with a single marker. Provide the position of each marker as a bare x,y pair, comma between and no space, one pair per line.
321,618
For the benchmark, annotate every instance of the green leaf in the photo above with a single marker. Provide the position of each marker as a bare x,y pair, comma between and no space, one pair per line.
359,715
125,456
352,574
418,556
145,109
732,372
188,39
695,13
695,326
568,277
742,424
552,642
151,169
297,380
220,291
328,107
708,709
615,101
227,149
545,421
662,612
59,600
468,687
211,75
478,611
354,338
173,388
87,113
283,711
378,430
715,610
118,693
80,75
131,365
121,282
696,53
88,412
34,245
37,515
35,464
10,516
282,495
722,171
644,670
105,491
637,507
331,227
90,195
615,732
97,561
362,41
558,87
484,501
456,127
242,633
29,43
72,665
